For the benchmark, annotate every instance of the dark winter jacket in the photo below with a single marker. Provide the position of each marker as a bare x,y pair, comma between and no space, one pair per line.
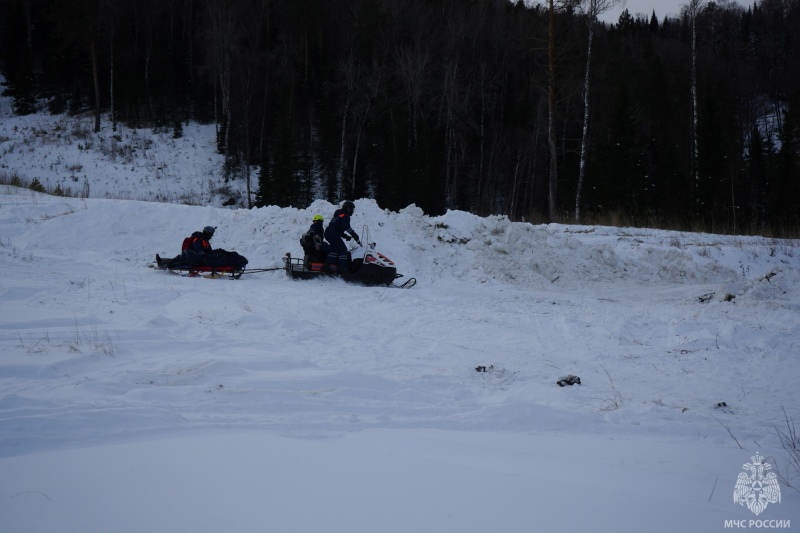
199,243
339,227
197,251
316,229
312,242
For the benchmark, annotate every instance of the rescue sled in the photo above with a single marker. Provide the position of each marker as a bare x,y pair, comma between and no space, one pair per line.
193,271
212,264
365,266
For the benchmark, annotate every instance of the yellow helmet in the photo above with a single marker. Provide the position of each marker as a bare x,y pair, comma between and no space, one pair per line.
317,217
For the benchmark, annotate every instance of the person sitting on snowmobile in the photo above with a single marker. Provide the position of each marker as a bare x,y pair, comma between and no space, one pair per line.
338,228
312,241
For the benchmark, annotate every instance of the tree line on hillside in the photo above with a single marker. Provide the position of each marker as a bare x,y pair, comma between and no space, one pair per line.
486,106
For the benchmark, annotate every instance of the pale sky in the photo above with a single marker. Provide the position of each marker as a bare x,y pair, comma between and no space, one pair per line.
646,7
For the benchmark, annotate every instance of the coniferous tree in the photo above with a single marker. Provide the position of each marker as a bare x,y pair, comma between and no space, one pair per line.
76,24
448,104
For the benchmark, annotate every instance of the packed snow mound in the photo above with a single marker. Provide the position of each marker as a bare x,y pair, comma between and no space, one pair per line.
494,249
456,245
780,286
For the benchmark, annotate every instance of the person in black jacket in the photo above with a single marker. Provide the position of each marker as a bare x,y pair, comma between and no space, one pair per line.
339,228
312,241
200,245
202,254
193,250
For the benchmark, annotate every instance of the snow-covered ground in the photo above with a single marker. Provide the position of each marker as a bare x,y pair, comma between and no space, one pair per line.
136,400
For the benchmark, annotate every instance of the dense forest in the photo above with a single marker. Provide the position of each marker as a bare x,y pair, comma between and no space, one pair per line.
535,111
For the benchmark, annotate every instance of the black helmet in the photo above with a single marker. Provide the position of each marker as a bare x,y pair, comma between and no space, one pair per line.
348,207
209,231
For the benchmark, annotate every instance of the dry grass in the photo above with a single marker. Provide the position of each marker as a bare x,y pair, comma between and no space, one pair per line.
787,229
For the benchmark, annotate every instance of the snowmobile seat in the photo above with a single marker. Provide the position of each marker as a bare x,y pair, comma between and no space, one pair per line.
313,263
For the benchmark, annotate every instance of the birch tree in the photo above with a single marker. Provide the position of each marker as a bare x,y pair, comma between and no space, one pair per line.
693,10
551,113
592,9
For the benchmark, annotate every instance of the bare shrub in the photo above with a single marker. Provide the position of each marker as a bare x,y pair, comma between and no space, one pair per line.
789,474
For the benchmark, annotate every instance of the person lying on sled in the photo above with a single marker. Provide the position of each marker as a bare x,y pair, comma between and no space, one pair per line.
338,228
197,252
312,241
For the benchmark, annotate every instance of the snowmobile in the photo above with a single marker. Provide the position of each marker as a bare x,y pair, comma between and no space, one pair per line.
365,266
